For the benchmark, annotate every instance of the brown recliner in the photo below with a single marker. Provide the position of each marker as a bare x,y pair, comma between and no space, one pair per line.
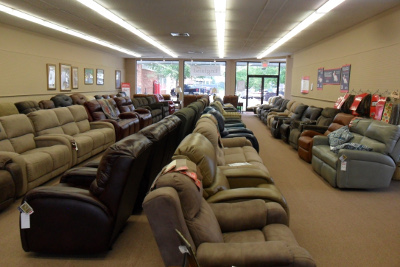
125,104
10,181
236,183
69,219
46,104
248,233
78,99
125,124
26,107
305,141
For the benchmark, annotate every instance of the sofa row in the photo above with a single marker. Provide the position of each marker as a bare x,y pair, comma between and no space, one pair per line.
37,147
224,181
347,151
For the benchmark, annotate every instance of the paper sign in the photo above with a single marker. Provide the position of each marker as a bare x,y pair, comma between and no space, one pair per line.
25,221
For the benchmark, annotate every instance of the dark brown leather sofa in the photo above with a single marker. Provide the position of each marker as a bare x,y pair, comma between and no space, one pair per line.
69,219
125,104
155,109
125,124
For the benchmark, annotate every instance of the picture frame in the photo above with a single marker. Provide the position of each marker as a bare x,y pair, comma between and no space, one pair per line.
89,76
117,79
65,77
99,76
51,76
75,78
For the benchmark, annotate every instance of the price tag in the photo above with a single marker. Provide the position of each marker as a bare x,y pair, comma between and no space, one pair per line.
25,221
343,166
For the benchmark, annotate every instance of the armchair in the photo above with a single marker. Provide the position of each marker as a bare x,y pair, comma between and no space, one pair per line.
325,119
68,219
217,232
281,108
305,141
279,120
357,168
275,103
309,116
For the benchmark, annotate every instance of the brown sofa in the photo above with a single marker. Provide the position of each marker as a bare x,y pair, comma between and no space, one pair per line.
71,123
247,233
155,110
125,104
40,158
125,124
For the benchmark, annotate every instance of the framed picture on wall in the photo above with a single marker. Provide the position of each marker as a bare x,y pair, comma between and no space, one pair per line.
65,77
117,79
51,76
75,78
89,76
99,76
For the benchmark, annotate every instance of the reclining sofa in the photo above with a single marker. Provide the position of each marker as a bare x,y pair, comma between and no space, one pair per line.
354,166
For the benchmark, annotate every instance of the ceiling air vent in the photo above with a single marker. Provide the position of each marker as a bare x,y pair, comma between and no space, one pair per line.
178,34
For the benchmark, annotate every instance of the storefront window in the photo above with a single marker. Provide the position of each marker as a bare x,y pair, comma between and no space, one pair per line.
157,77
204,78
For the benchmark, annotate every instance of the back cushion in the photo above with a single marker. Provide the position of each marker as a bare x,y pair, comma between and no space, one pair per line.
81,117
45,121
151,99
386,134
19,131
67,121
5,144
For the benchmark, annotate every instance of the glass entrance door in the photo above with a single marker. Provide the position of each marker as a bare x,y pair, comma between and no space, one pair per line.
259,88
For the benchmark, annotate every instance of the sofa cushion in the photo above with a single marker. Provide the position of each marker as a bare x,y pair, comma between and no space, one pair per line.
67,121
81,117
340,136
19,131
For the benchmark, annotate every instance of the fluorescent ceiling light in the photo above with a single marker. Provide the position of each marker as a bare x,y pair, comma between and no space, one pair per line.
220,11
319,13
51,25
114,18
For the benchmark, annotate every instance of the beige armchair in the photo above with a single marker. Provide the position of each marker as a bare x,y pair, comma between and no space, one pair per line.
248,233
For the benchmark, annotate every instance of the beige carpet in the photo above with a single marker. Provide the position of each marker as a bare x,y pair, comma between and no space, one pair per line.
338,227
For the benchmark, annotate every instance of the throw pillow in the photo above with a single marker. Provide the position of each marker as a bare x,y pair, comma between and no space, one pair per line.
340,136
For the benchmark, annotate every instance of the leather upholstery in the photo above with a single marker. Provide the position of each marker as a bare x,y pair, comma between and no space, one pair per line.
278,121
125,104
305,141
188,119
61,100
214,229
155,110
78,99
46,104
127,124
26,107
231,99
74,220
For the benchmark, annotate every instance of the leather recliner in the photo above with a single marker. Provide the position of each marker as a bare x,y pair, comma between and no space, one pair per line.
282,107
78,99
217,232
187,117
155,110
68,219
279,120
305,141
125,104
26,107
309,116
326,117
125,124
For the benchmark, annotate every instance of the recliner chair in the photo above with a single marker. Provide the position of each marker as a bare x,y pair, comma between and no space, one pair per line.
219,233
68,219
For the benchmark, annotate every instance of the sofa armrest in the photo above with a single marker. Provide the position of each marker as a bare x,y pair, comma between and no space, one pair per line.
364,169
320,140
19,160
269,253
14,170
128,115
230,215
316,128
100,125
310,133
54,139
236,142
142,111
79,177
239,177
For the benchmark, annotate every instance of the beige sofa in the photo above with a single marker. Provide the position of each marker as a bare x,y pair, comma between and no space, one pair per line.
40,158
86,138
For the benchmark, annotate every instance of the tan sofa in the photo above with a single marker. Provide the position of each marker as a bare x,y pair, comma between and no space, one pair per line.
40,158
87,138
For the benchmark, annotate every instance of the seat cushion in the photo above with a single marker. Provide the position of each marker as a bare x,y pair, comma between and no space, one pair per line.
326,155
244,236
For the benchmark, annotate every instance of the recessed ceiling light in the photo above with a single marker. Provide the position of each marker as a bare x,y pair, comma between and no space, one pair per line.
195,52
178,34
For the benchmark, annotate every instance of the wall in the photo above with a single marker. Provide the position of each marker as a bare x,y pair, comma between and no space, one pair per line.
23,59
373,50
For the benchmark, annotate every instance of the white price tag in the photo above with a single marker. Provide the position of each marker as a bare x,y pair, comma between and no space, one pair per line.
25,221
343,166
